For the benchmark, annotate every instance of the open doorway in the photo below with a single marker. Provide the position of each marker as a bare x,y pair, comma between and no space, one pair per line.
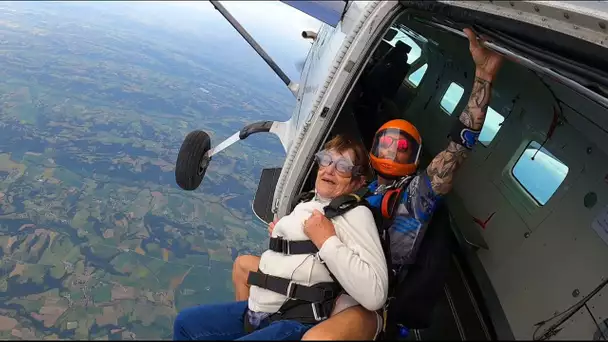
389,87
385,89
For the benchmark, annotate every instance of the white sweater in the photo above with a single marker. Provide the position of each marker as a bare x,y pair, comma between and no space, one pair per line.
354,256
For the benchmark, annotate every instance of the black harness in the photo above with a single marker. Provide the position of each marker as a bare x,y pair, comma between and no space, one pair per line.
306,304
313,304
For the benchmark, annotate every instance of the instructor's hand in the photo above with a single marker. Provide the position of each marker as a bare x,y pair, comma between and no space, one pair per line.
487,62
318,228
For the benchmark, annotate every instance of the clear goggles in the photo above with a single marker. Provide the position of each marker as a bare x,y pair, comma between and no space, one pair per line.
343,165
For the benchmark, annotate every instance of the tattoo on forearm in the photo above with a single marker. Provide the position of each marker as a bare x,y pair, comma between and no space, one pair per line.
441,170
474,113
443,167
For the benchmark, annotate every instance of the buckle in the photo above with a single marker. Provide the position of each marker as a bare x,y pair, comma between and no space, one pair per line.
290,290
285,246
315,312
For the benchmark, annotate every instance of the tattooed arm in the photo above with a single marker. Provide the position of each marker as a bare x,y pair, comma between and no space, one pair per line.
443,167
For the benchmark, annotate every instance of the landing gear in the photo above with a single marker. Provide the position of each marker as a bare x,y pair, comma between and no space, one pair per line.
196,152
192,160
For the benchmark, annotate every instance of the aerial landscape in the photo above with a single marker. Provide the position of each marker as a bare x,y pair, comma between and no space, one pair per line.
97,240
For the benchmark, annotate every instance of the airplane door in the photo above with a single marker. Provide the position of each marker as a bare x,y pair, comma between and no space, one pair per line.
314,73
262,201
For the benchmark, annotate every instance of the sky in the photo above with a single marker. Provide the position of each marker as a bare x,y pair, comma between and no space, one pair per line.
262,13
267,18
277,27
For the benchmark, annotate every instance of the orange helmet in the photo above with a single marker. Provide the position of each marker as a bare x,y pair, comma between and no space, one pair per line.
396,149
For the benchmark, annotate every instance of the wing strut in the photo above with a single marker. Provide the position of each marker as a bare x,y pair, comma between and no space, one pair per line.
293,87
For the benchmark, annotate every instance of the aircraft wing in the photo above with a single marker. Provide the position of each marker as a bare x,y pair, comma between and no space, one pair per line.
329,12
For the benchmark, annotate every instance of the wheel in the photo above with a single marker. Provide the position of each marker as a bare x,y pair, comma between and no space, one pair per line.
192,162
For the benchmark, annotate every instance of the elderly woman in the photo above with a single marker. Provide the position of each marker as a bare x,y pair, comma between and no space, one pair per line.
349,248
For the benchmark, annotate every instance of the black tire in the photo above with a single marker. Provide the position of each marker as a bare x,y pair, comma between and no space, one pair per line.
188,171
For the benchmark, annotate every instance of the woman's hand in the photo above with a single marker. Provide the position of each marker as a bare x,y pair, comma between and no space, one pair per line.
271,226
318,228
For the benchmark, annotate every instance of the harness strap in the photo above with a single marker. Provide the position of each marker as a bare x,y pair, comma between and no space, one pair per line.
304,312
342,204
362,192
289,247
317,293
390,202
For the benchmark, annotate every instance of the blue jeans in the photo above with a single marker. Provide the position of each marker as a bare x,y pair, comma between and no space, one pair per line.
225,322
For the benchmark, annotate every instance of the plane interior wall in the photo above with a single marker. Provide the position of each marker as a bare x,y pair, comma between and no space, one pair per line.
536,256
539,258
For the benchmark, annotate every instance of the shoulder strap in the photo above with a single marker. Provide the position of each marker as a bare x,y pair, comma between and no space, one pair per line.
390,203
393,199
341,204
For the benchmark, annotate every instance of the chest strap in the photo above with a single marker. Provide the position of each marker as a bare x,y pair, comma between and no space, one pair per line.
317,293
288,247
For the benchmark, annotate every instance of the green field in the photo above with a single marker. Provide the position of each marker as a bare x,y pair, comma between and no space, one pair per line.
96,239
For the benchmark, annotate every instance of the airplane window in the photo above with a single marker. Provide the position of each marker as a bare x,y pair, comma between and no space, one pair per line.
490,127
451,97
417,75
540,176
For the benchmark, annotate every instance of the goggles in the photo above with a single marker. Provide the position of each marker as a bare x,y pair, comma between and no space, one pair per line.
343,165
386,141
396,146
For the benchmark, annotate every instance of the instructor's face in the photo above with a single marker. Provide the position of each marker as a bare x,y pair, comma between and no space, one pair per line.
390,150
